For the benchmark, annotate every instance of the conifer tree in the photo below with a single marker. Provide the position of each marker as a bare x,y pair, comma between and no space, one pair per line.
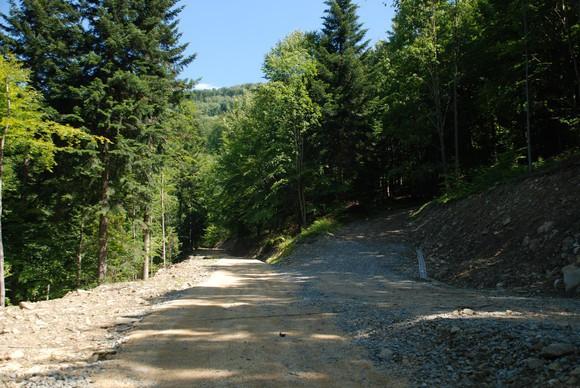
138,45
342,91
114,75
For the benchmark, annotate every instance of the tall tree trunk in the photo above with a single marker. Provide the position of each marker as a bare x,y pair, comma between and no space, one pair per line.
527,83
299,161
80,256
455,76
436,85
163,235
104,219
2,146
571,49
146,243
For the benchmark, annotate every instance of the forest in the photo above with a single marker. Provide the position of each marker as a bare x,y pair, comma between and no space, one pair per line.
112,166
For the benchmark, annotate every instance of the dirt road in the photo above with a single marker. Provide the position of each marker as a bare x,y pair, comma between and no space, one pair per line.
347,310
247,325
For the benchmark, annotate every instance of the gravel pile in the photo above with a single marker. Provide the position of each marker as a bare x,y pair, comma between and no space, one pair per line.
59,343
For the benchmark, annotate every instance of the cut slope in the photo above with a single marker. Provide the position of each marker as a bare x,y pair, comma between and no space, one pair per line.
517,236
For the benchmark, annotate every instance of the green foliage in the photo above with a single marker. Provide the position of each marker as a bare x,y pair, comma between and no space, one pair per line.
341,90
260,167
508,166
285,245
111,69
213,235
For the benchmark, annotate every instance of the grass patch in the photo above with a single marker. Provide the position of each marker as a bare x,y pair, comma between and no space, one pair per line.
285,244
424,207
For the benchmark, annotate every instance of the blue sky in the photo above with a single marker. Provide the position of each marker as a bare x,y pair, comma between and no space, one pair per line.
231,37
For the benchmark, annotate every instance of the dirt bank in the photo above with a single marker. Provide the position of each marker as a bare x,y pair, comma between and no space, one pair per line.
517,236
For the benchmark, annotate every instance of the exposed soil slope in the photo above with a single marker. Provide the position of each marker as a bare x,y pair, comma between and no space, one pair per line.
516,236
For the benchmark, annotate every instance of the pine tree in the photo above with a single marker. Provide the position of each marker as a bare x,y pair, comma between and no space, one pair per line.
342,91
138,45
112,71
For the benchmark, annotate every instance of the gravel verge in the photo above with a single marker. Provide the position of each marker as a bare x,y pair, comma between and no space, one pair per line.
61,342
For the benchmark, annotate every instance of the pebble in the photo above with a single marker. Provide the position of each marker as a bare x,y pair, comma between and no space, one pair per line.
26,305
556,350
386,354
534,363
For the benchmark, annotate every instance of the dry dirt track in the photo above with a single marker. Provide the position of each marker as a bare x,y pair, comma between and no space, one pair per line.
245,327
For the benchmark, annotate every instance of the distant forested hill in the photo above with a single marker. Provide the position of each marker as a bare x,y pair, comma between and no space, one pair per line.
212,105
215,102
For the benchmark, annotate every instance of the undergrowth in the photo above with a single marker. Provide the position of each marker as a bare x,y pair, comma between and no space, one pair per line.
285,245
510,166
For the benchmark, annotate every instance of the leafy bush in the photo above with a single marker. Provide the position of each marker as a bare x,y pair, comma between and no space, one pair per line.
285,244
508,166
213,235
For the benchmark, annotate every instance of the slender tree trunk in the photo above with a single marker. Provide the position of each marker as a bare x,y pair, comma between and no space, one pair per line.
2,146
527,83
146,243
299,160
455,81
80,256
571,49
163,236
436,85
104,219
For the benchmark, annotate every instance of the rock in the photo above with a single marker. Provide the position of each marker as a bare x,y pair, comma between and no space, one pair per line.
13,355
546,227
468,312
556,350
26,305
125,320
386,354
534,363
455,330
571,277
507,221
534,244
526,241
572,381
509,313
555,366
576,371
